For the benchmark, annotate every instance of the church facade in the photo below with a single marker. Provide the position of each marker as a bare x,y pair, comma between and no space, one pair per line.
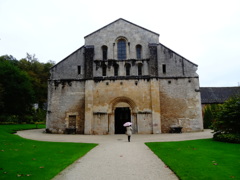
121,74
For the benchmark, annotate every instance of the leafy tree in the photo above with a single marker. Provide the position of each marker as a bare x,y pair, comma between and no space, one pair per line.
16,89
23,83
227,121
228,116
209,114
39,73
1,96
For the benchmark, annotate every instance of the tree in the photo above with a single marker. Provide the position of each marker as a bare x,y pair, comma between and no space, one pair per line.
22,84
1,96
39,73
16,89
228,116
227,121
209,114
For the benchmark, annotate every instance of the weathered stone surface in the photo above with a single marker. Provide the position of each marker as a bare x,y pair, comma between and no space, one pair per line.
109,35
159,90
180,104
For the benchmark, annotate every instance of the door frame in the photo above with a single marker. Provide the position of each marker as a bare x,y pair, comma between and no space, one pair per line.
118,126
122,102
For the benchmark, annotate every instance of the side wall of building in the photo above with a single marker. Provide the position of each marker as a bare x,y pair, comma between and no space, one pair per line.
65,99
170,64
72,67
181,104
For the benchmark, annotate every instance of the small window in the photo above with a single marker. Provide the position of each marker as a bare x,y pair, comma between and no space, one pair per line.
121,46
128,68
79,69
140,69
116,70
139,51
104,52
72,121
104,70
164,68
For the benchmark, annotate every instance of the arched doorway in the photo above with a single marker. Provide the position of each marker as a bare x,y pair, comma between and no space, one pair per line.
121,110
122,115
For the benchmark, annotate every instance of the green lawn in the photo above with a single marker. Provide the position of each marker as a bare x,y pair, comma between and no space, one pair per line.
28,159
200,159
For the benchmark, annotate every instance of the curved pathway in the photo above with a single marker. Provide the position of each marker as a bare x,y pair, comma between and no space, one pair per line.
114,157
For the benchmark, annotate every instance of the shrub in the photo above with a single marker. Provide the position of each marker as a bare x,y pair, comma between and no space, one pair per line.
232,138
209,114
7,123
40,115
226,124
228,117
9,119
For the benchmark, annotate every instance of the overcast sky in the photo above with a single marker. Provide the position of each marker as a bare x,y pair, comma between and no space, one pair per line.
206,32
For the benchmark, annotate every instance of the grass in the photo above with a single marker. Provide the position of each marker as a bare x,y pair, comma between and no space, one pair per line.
27,159
200,159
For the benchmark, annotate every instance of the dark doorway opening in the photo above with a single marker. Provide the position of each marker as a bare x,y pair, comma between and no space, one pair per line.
122,115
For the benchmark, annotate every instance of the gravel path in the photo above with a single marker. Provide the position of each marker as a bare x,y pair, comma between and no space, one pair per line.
115,158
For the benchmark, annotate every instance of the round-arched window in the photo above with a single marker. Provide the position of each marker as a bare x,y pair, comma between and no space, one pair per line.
139,51
140,69
104,52
128,69
121,49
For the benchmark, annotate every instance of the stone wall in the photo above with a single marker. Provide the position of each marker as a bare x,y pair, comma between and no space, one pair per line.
107,95
155,105
65,98
181,104
175,65
109,35
133,63
68,68
166,93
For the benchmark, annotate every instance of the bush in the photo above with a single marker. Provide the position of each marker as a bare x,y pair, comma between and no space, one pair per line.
231,138
227,117
9,119
209,115
27,118
226,124
7,123
40,115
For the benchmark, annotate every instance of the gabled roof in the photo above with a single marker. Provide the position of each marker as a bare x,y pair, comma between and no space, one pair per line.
125,21
217,95
67,57
178,54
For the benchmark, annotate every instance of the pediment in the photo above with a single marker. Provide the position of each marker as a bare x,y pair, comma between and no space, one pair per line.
121,22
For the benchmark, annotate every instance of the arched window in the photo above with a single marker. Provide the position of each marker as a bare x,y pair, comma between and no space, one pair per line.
104,52
104,70
116,70
128,68
139,51
164,68
121,49
140,69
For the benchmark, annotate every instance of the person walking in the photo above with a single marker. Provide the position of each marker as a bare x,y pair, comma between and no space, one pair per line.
129,132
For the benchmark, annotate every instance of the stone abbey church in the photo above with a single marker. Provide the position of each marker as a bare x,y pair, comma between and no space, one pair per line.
122,73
